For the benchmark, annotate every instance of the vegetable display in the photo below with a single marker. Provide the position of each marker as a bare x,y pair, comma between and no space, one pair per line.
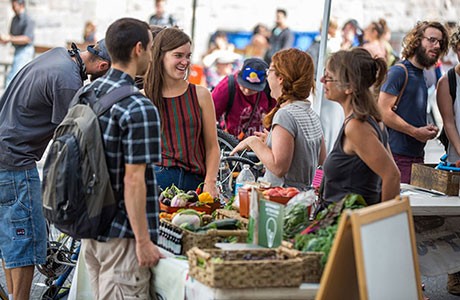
320,234
296,219
173,198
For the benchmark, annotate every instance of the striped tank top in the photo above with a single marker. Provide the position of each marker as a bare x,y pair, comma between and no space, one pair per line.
182,134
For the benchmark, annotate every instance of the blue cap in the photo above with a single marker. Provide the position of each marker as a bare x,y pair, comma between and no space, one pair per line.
100,50
253,74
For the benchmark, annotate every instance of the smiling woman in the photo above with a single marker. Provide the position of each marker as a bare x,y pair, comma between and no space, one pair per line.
190,152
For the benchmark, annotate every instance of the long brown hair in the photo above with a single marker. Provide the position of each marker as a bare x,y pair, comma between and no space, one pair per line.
166,40
364,75
297,70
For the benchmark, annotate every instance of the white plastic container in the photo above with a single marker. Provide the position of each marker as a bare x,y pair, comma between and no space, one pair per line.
244,177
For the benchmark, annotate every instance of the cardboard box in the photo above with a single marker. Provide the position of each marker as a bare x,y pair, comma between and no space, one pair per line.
426,176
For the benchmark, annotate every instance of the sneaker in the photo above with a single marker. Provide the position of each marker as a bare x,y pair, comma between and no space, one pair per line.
453,283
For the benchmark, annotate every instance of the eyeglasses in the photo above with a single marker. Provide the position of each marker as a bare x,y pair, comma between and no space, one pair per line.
267,72
327,78
433,41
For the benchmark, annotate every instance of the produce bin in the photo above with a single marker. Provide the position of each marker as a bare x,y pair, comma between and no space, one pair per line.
254,268
178,240
426,176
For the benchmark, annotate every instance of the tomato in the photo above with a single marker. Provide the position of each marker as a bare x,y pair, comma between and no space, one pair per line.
291,194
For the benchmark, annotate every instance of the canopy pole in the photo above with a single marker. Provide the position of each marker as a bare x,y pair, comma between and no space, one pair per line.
322,52
193,20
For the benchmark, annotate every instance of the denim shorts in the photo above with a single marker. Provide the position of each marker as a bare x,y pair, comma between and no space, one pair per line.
22,224
184,180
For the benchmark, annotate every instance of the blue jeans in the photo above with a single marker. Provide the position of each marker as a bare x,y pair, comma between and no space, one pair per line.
22,224
21,57
186,181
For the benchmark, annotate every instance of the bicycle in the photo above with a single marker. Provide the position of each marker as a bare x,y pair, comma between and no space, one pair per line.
231,165
61,259
3,293
229,168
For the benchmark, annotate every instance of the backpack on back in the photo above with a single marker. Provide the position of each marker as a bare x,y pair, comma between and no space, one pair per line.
453,92
77,193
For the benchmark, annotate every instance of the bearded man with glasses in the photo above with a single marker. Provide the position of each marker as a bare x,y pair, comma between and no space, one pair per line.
406,118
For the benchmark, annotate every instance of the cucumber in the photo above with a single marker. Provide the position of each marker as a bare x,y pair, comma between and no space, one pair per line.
227,224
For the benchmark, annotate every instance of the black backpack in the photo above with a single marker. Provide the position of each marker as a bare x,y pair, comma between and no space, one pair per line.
453,92
77,193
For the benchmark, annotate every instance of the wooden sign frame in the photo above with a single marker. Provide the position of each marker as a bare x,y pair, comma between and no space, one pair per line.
345,275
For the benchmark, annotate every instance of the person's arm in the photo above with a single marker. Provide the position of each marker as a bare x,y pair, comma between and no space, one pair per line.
210,140
374,155
445,105
394,121
135,193
277,159
16,39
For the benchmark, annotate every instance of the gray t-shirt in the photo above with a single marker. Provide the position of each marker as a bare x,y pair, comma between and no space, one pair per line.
299,119
22,25
32,106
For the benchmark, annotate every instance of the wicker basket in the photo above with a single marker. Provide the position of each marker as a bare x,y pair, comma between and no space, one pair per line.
206,239
232,214
279,267
311,262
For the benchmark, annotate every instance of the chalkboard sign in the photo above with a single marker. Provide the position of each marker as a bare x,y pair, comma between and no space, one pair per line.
374,255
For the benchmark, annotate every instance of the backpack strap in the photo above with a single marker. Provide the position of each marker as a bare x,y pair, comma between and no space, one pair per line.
231,95
395,105
452,83
109,99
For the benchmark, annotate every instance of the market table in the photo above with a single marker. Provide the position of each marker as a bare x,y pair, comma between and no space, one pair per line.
430,203
436,222
436,256
173,283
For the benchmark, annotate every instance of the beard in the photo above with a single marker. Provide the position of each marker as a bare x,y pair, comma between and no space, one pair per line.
423,59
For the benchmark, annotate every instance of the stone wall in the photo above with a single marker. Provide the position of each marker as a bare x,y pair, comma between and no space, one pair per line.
60,21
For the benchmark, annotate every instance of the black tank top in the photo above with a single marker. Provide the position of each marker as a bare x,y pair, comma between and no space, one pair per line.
345,174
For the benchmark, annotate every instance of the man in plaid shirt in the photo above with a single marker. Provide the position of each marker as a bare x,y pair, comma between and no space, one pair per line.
119,261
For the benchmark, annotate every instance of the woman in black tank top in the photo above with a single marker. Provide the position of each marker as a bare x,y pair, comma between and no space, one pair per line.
360,161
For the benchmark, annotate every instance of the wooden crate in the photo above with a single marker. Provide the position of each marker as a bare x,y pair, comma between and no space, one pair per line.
426,176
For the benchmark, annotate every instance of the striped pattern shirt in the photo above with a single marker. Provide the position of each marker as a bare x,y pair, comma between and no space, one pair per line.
131,134
182,135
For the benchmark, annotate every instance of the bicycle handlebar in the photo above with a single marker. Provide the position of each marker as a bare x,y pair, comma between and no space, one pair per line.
239,159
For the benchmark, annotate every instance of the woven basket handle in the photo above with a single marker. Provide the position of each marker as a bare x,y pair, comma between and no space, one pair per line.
223,232
201,253
290,252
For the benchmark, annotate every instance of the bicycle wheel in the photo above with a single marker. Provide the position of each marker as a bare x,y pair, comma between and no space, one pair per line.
3,293
227,142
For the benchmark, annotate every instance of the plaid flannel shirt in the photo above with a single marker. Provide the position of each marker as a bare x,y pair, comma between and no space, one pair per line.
131,134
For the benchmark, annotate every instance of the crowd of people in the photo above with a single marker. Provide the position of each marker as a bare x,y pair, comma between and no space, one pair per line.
168,134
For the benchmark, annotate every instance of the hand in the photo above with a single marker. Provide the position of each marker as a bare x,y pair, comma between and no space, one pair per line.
425,133
244,144
241,146
148,254
211,188
262,135
5,38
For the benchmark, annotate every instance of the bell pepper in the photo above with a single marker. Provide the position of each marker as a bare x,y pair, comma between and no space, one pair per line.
205,198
